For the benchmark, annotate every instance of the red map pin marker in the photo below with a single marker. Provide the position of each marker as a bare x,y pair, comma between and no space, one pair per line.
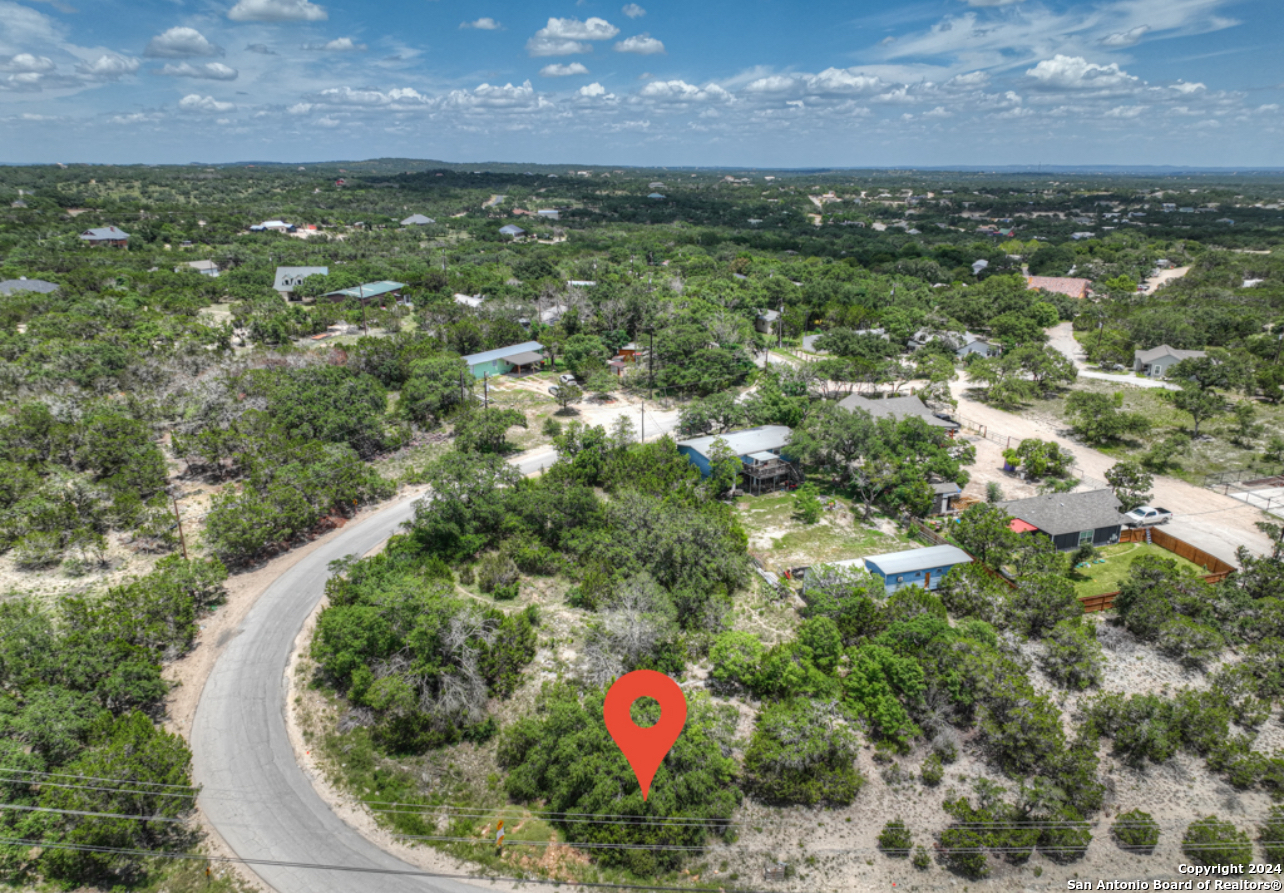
645,749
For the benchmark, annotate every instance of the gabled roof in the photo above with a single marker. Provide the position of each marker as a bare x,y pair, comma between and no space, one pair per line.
295,275
1163,350
512,230
104,234
417,220
13,286
912,560
1059,513
769,315
487,356
202,265
368,290
743,443
895,408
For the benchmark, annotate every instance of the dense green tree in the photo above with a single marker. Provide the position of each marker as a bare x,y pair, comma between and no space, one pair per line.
434,388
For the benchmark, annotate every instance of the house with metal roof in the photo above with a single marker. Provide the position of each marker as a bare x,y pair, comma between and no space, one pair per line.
916,567
417,220
655,195
766,321
512,230
204,267
1156,362
506,359
106,235
368,292
962,344
473,302
22,283
761,452
290,278
897,408
1071,520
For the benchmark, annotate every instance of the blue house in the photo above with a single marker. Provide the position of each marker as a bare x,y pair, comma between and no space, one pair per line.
506,359
917,567
759,449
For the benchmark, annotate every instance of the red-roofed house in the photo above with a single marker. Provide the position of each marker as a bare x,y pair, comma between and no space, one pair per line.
1061,285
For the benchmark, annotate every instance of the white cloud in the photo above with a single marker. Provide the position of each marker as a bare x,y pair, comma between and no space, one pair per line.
299,108
349,96
681,91
553,46
633,11
181,43
1125,38
338,45
1188,88
108,67
211,71
494,96
976,80
485,23
1077,73
831,81
277,11
194,102
26,63
564,37
562,70
641,44
1126,111
595,91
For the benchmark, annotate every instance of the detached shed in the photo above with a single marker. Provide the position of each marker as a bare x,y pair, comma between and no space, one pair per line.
916,567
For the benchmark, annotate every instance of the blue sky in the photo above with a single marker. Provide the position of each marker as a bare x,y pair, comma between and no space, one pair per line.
655,82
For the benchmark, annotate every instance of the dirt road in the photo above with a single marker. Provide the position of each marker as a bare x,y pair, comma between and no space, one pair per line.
1061,338
1154,283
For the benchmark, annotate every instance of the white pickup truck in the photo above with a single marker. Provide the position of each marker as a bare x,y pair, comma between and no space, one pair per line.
1148,516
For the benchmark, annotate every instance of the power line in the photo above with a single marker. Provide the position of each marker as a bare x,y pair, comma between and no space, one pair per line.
278,863
92,815
98,778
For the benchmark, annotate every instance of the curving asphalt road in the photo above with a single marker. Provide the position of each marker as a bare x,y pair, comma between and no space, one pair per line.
261,802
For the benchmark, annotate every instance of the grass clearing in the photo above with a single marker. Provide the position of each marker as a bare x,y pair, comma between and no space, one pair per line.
782,541
1098,579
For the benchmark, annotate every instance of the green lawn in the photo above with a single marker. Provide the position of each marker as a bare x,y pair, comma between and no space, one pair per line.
1099,579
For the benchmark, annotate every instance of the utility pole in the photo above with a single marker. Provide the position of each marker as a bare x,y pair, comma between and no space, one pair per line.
780,326
486,390
650,361
463,394
362,292
179,518
643,440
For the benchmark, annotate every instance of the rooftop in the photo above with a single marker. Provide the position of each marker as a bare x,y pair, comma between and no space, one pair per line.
744,443
918,560
288,277
1062,285
487,356
104,233
13,286
417,220
368,290
1163,350
1059,513
895,408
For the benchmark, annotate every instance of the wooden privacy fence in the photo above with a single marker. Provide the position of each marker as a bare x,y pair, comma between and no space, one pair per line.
1217,570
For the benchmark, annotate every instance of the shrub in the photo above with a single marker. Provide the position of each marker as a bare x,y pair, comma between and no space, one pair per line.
933,770
736,658
494,571
1210,841
1190,642
1066,836
552,427
922,861
466,575
993,493
507,592
38,550
1071,655
1271,835
1040,602
895,840
1136,832
807,507
802,751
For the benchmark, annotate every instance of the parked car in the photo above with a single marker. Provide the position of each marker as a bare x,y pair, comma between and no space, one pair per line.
554,390
1148,516
568,378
